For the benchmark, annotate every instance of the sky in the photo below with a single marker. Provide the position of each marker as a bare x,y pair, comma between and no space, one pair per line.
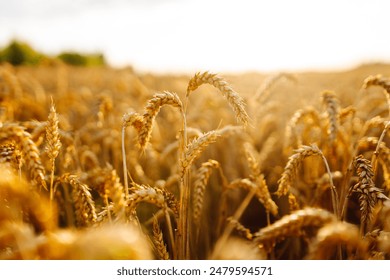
215,35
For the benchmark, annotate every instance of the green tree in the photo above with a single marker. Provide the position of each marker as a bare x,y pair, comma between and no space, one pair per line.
74,58
19,53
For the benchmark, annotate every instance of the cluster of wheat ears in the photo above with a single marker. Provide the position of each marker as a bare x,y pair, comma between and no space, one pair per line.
92,167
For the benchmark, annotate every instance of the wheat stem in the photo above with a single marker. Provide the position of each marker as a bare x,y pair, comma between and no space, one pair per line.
229,228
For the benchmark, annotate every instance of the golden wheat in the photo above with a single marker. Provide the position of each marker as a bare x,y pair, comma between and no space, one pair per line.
234,100
368,193
202,177
293,224
332,108
53,143
158,241
151,111
114,198
333,235
379,80
30,151
84,205
292,166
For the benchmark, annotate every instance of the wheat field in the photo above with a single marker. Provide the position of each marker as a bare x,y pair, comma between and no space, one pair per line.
104,163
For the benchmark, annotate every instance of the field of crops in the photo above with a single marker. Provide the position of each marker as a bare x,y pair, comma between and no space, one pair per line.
102,163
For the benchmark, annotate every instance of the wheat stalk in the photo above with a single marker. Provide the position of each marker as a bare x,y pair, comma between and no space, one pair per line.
144,124
189,152
378,146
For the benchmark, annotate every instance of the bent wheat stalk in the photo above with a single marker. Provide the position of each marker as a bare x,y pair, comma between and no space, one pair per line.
378,146
135,120
264,90
234,99
151,110
202,177
291,169
383,82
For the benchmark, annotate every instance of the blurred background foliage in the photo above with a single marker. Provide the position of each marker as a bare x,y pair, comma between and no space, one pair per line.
21,53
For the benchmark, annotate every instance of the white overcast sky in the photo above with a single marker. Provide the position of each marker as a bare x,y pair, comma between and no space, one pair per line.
216,35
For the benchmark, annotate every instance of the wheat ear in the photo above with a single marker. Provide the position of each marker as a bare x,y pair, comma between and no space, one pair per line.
265,88
196,147
309,115
291,169
12,81
158,241
293,203
332,109
29,149
368,193
53,143
383,82
108,185
142,193
378,146
292,166
261,192
202,177
333,235
240,228
151,110
83,201
11,156
20,203
258,179
292,225
235,101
